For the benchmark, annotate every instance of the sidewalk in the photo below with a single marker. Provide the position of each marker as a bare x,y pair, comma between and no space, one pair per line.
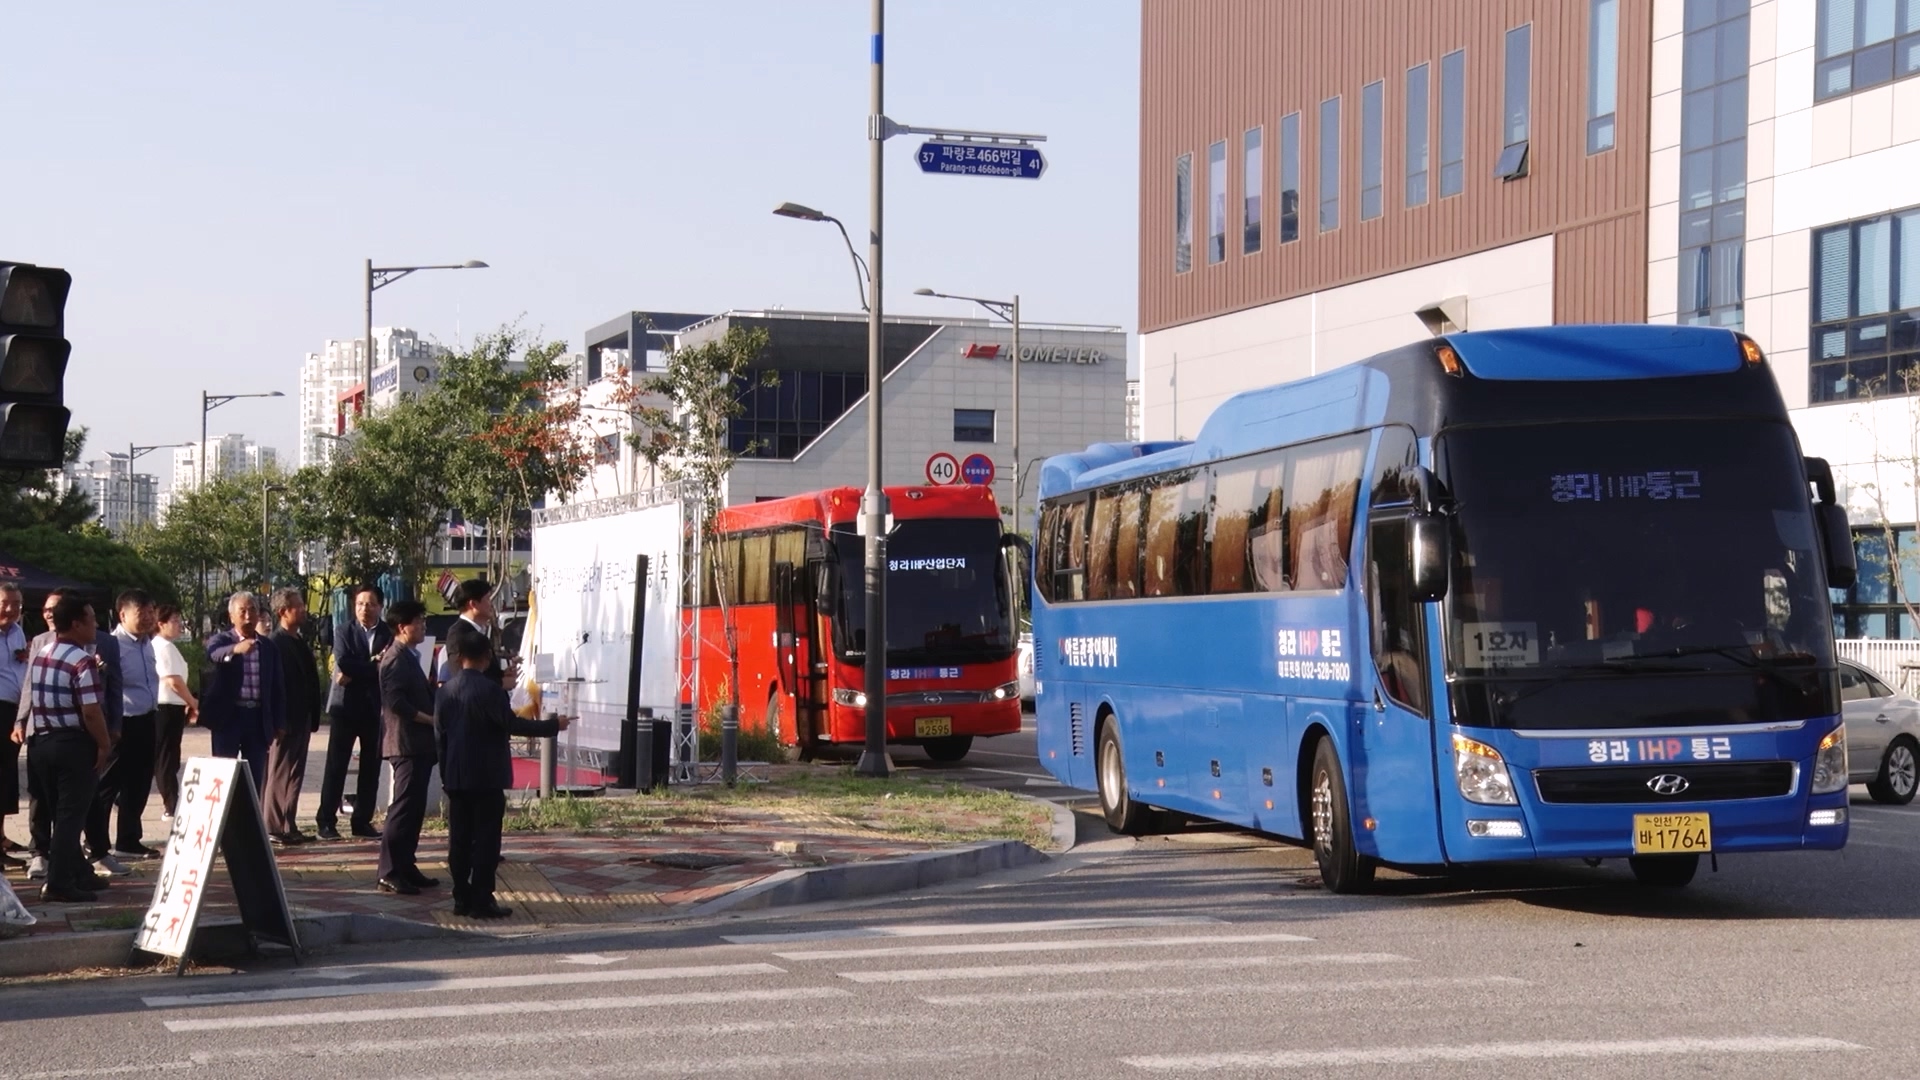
549,879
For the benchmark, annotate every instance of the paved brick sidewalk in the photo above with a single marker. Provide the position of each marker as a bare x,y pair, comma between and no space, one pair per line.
549,879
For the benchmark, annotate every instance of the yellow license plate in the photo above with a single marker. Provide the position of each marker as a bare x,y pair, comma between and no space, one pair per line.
932,727
1671,834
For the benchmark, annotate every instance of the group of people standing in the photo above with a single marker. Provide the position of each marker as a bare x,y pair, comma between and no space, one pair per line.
102,720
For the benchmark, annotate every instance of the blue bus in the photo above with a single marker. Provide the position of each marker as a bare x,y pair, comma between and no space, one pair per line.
1519,594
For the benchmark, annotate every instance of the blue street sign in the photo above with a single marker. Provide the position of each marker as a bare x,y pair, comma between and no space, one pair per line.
982,159
977,469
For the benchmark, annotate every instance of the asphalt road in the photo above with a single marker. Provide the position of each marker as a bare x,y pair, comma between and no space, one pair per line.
1210,952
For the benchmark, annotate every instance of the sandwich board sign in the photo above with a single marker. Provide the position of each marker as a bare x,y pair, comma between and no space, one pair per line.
218,811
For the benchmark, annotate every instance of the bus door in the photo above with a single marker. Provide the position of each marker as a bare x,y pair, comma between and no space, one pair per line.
800,664
1392,764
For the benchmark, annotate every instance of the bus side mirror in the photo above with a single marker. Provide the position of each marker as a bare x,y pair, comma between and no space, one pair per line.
1427,556
1836,537
825,582
1019,562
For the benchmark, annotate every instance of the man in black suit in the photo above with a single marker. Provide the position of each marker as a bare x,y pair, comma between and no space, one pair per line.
243,704
287,761
476,765
475,599
406,707
354,716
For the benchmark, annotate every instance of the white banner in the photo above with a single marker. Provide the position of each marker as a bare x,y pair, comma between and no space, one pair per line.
583,585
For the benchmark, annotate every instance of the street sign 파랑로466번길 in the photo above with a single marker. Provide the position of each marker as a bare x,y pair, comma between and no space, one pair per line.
982,159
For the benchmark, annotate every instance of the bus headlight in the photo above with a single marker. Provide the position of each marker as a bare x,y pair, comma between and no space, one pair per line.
1830,763
852,699
1003,692
1481,773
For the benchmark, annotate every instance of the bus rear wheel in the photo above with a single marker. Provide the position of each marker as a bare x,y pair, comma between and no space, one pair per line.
1664,871
948,749
1342,868
1123,815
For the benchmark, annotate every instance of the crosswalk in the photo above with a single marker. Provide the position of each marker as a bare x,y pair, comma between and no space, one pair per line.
1193,994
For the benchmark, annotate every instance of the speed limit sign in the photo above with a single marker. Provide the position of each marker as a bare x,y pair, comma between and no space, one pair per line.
942,468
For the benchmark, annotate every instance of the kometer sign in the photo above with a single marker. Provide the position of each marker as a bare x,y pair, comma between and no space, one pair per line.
1038,354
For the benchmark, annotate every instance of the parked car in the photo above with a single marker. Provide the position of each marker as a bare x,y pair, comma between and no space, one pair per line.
1883,734
1026,669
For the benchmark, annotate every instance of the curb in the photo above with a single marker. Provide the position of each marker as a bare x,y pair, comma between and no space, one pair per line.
221,940
851,881
1066,832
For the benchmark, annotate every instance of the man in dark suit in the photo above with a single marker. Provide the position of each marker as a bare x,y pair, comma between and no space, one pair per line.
476,719
353,711
244,703
287,765
475,599
406,707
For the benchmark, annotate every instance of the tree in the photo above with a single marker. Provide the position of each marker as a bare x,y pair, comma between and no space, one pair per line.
30,498
689,438
217,530
1894,491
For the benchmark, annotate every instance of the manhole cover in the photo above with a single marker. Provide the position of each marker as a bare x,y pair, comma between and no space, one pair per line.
690,860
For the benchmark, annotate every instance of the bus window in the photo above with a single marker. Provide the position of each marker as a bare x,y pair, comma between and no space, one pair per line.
756,569
1232,510
1100,546
1175,515
1043,553
1126,547
1393,468
1267,526
1398,652
1324,484
1070,553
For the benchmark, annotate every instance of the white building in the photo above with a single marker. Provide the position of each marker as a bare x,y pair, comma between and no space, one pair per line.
226,455
121,498
948,405
402,363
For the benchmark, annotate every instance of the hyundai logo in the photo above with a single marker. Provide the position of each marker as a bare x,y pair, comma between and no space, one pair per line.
933,698
1668,784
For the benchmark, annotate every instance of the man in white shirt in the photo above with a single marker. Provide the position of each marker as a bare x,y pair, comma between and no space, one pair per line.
176,708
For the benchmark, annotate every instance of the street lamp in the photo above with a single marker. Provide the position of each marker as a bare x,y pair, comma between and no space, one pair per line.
379,277
1008,310
266,578
208,403
135,453
808,213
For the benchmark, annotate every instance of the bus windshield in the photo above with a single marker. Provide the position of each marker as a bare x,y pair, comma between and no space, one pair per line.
1658,547
947,596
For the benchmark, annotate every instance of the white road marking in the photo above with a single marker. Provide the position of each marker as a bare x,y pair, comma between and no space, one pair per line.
330,973
1054,945
1228,989
1023,971
437,985
593,959
896,1061
1010,772
507,1008
1477,1052
920,930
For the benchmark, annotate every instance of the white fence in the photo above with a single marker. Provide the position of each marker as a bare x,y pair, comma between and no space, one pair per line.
1896,661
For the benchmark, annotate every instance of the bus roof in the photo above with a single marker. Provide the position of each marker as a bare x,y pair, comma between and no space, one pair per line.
1505,376
841,505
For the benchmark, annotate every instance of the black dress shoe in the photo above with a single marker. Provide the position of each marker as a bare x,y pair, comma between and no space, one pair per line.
398,887
489,909
95,883
138,851
51,895
366,833
328,833
423,881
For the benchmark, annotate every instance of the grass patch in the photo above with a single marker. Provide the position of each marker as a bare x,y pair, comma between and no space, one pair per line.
831,800
118,920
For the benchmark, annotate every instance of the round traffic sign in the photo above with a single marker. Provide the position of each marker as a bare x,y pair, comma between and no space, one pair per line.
977,469
942,468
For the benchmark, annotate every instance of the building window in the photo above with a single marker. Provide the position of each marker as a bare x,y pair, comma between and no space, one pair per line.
1289,178
781,419
1330,164
1866,309
973,425
1216,202
1603,72
1864,43
1876,605
1183,213
606,450
1453,123
1372,119
1417,135
1713,164
1515,96
1250,187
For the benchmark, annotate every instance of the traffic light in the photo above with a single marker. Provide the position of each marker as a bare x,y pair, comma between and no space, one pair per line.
33,366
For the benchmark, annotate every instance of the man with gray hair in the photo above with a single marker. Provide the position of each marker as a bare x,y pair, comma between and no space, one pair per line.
243,703
287,765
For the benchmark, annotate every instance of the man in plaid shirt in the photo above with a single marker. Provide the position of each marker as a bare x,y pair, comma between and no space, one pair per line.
68,744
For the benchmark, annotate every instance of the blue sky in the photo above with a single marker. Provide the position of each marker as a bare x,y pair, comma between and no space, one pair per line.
213,180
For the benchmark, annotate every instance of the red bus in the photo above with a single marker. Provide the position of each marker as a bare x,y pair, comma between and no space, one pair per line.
795,592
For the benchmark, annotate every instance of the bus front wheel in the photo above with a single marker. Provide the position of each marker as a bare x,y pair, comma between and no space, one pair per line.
1665,871
1342,868
949,749
1123,815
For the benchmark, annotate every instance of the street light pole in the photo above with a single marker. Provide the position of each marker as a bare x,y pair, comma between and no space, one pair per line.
208,403
1009,310
873,504
266,525
379,277
134,453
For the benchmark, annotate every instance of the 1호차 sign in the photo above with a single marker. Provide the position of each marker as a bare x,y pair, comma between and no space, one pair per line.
982,159
942,468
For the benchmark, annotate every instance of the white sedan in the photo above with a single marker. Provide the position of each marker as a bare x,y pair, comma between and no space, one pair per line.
1883,735
1026,667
